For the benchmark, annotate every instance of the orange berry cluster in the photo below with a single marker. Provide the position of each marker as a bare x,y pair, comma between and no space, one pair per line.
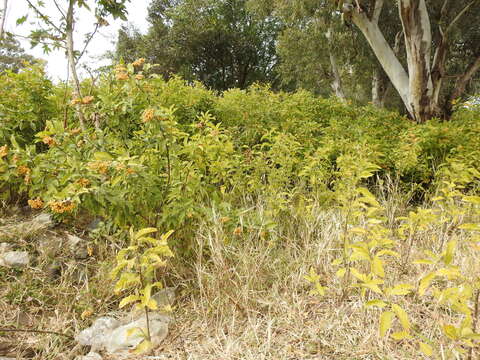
48,140
83,182
60,207
148,115
139,62
100,166
121,72
3,151
36,203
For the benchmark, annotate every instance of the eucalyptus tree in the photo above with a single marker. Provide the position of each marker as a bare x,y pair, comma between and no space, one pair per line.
428,49
56,30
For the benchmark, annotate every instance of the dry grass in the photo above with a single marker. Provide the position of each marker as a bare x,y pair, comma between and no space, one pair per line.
241,296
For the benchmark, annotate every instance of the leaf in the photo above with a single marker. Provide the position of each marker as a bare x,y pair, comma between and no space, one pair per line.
142,232
400,335
143,347
470,227
22,19
472,199
402,316
341,272
450,252
400,289
128,300
386,322
152,304
425,283
376,303
102,156
426,349
450,331
377,267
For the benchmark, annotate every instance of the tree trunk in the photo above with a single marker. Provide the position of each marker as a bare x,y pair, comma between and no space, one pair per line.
377,89
337,80
71,61
385,55
418,42
4,16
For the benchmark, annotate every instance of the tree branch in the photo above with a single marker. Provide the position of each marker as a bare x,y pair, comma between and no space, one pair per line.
45,18
377,10
97,25
60,9
460,14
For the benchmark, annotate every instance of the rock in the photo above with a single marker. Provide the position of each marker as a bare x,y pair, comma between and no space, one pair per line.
90,356
125,338
4,247
43,219
119,337
77,246
94,224
14,259
97,334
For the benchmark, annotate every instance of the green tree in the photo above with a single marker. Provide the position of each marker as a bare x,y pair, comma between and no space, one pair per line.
12,55
219,43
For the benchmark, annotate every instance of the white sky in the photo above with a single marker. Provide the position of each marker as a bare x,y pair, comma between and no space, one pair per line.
101,43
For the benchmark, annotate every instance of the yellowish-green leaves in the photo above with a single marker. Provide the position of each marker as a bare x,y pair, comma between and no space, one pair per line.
386,320
425,349
314,279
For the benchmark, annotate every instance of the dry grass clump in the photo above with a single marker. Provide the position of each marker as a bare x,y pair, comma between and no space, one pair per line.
243,294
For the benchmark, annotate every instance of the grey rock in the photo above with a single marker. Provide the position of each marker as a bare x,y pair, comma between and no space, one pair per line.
14,259
125,338
94,224
78,247
43,220
121,336
90,356
97,334
4,247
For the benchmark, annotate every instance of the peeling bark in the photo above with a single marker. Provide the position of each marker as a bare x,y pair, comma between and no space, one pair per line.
337,81
418,42
3,13
385,55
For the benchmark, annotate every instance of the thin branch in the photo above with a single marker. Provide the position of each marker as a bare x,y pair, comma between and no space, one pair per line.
97,25
4,17
60,9
37,331
44,17
460,14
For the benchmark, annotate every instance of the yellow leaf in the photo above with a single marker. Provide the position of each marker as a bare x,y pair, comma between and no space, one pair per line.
143,347
377,267
377,303
425,349
400,335
341,272
425,283
128,300
145,231
386,322
402,316
450,252
450,331
400,289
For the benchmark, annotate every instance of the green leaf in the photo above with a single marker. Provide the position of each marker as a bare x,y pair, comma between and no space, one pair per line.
102,156
386,322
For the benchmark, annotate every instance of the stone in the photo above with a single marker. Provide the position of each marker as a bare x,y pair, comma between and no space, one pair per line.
120,337
14,259
124,338
97,334
77,246
90,356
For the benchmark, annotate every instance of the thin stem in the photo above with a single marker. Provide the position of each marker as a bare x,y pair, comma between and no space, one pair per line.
475,320
142,282
45,18
37,331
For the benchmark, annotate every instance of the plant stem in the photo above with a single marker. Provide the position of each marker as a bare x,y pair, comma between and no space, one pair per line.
142,282
37,331
475,320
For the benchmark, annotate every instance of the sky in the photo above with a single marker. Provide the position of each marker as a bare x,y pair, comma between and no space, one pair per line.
100,44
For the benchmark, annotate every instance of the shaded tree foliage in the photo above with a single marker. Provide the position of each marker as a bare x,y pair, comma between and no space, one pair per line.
12,55
219,43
